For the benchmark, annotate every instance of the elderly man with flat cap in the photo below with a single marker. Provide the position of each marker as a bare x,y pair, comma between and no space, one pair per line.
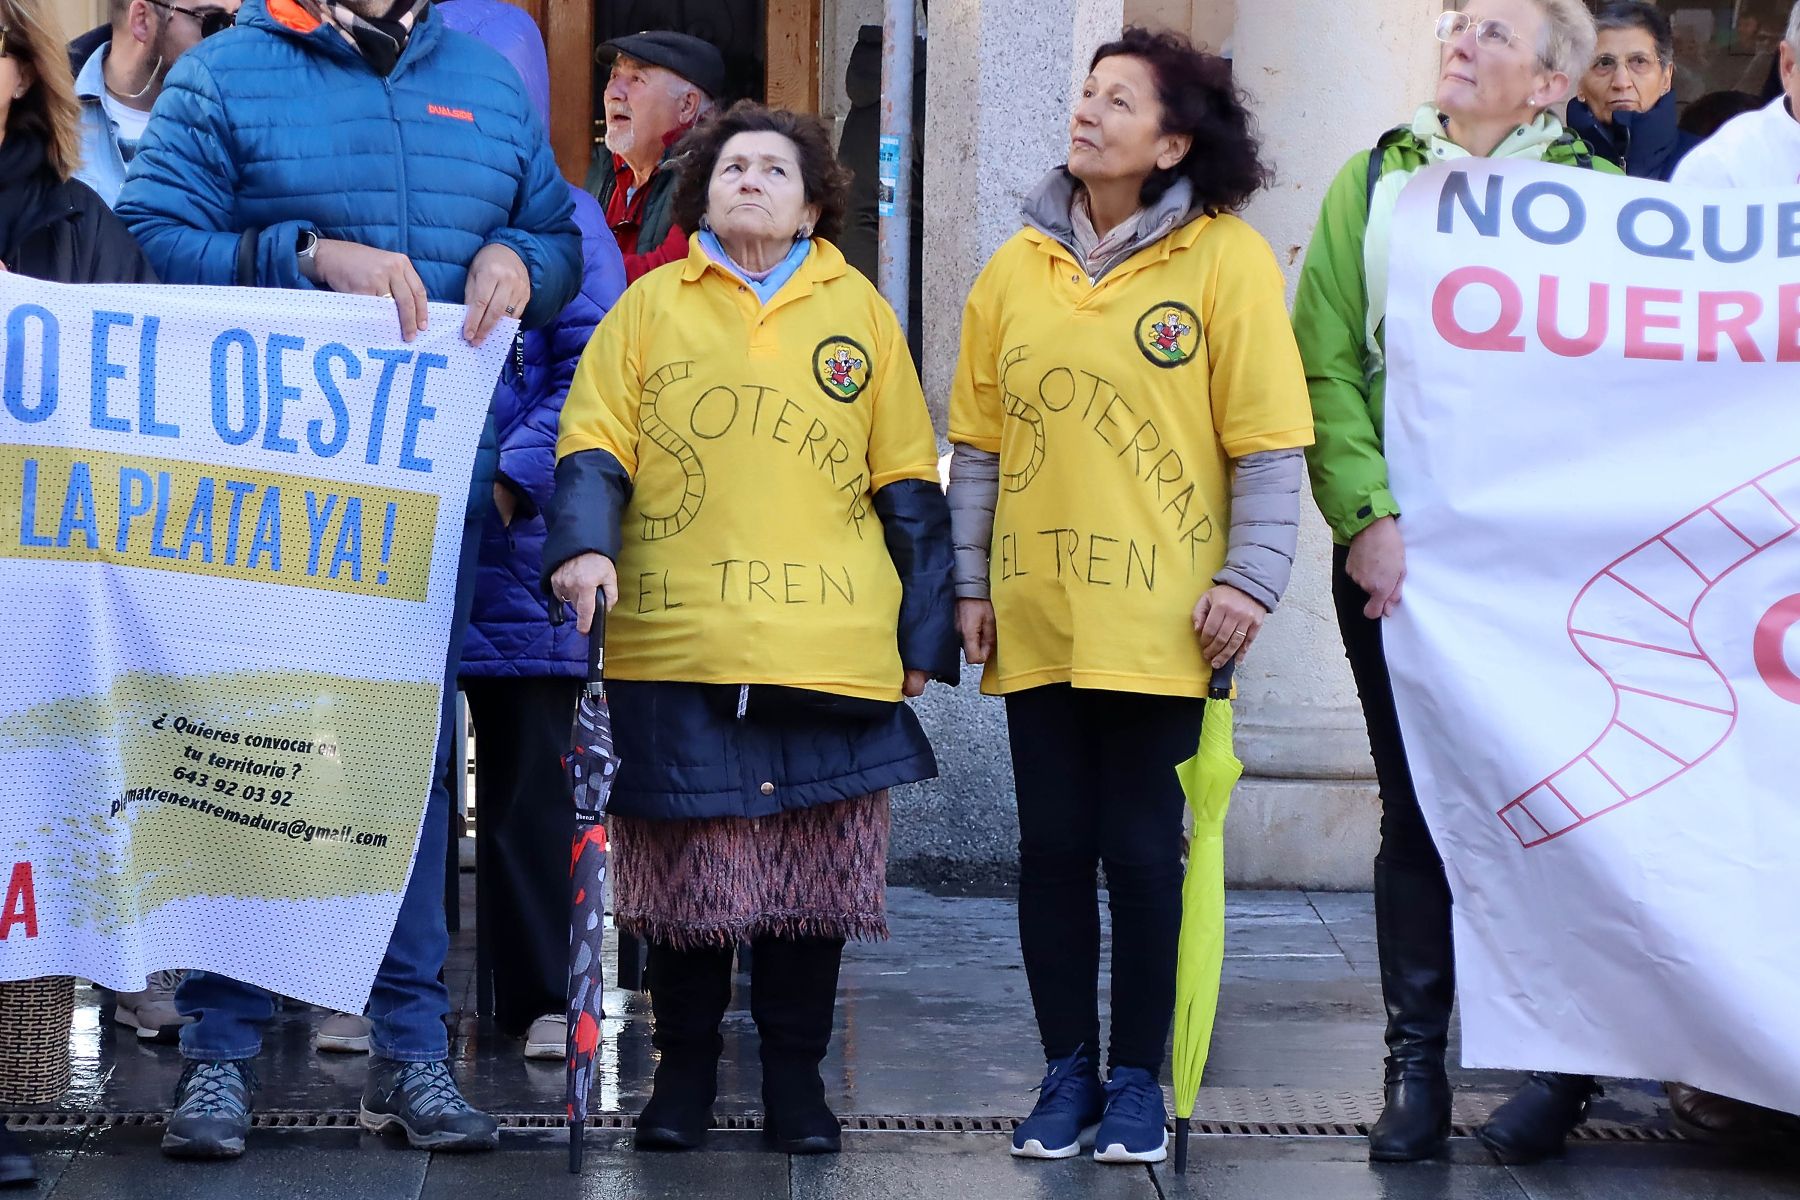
661,84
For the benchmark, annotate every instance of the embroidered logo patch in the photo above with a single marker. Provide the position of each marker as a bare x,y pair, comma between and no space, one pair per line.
841,366
455,114
1169,334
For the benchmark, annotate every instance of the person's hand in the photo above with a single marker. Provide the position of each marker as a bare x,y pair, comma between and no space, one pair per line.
576,581
365,271
913,684
1227,621
505,503
2,268
975,621
1377,563
498,286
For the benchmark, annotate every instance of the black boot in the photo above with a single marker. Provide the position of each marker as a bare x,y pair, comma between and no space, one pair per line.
16,1167
793,996
1534,1124
689,990
1418,986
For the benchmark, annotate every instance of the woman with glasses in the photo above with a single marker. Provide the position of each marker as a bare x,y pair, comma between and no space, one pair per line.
52,226
1505,63
1625,103
119,73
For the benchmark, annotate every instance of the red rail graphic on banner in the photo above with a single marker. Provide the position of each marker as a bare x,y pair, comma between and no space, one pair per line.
1634,623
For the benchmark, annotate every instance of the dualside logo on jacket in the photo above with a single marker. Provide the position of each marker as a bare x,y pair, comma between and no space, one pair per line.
455,114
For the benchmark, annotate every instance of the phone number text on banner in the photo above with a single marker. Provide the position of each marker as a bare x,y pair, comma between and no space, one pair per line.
230,523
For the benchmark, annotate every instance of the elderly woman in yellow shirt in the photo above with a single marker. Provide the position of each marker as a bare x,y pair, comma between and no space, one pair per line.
748,471
1127,417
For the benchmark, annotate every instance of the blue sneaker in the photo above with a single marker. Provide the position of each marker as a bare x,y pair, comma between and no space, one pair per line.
1135,1128
1069,1104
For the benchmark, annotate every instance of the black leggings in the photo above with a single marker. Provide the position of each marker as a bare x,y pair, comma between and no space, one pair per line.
527,821
1095,772
1405,838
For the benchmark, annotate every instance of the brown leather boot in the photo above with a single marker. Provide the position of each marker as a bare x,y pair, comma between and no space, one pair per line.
1710,1117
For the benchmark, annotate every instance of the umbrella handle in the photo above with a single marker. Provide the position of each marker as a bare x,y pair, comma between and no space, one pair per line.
597,643
576,1128
1181,1145
1220,688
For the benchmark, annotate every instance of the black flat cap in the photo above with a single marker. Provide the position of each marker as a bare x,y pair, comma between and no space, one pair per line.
694,59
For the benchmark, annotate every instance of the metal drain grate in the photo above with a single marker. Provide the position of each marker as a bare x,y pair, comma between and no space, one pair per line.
861,1122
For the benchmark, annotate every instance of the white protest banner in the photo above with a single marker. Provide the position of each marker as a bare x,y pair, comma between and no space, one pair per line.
229,530
1593,432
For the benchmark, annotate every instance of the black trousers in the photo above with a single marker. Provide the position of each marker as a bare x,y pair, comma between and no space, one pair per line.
1095,772
1405,838
526,824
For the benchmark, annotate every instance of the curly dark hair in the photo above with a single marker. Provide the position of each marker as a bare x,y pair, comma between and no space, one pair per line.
826,181
1198,99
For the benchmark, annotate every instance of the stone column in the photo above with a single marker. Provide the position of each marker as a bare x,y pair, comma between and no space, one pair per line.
1326,78
1001,79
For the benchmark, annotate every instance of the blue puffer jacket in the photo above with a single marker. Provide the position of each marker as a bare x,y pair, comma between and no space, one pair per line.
509,633
279,126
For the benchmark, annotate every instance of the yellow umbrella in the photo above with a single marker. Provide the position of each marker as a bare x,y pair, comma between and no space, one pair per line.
1207,779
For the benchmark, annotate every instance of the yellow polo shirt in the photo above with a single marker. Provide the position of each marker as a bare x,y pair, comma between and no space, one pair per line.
755,436
1116,410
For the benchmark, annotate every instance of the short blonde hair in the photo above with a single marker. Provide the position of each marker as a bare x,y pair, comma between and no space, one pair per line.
1569,37
49,109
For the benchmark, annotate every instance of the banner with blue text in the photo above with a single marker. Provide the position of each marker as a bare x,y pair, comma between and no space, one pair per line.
229,530
1593,437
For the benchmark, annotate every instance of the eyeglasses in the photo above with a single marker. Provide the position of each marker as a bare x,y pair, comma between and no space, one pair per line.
212,20
4,53
1639,64
1490,34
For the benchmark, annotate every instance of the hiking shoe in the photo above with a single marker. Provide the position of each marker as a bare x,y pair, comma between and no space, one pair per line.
152,1011
1070,1102
1135,1127
548,1038
212,1110
423,1100
343,1033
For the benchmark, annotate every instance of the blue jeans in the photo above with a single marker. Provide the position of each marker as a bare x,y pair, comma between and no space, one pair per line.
409,1001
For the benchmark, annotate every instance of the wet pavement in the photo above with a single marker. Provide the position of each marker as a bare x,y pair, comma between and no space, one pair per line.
935,1035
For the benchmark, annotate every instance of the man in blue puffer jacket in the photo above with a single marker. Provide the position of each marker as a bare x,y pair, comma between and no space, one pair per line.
359,146
521,674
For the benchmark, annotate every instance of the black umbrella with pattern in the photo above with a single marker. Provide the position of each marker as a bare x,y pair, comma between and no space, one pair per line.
591,765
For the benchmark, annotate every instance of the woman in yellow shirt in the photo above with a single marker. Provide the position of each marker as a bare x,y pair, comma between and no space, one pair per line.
1127,417
747,469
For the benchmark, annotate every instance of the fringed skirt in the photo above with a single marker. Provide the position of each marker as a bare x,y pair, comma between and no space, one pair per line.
810,872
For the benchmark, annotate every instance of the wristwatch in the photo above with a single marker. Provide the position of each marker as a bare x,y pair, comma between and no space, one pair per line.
307,250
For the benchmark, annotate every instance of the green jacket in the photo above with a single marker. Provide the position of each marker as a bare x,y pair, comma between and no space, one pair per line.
1341,334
